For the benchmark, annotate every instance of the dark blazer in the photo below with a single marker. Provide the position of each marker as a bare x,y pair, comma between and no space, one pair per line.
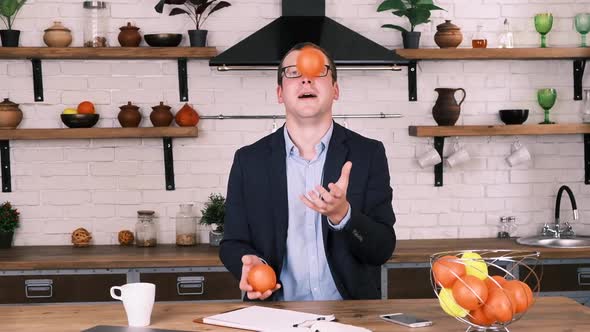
256,212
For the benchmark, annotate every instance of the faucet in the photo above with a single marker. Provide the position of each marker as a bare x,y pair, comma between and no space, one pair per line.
557,230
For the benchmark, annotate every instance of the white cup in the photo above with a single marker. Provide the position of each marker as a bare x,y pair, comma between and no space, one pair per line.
138,300
429,158
519,155
458,157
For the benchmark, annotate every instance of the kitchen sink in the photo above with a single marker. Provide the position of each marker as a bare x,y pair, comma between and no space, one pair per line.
551,242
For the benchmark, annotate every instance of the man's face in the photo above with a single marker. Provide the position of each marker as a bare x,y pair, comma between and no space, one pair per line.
307,97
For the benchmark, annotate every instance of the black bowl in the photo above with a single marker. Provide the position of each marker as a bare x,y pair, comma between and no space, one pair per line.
512,117
163,39
79,120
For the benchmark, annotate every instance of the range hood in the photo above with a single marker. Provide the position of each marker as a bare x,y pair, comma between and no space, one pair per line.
305,21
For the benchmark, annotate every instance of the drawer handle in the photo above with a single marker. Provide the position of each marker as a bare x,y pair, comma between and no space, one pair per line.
38,288
583,278
190,285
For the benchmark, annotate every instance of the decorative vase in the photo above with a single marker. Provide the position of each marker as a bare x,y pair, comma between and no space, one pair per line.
57,35
129,116
9,38
446,111
215,238
448,35
6,240
411,39
161,115
187,116
129,36
198,38
10,115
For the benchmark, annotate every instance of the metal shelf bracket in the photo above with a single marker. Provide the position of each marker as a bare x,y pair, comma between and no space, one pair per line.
412,82
5,164
579,66
182,79
168,163
439,144
37,79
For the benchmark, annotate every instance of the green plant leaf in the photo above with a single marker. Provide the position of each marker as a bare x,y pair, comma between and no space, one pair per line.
430,7
159,7
178,11
391,4
201,9
176,2
8,7
418,16
396,27
400,13
197,3
220,5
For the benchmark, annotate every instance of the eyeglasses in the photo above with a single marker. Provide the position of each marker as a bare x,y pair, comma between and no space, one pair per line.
292,72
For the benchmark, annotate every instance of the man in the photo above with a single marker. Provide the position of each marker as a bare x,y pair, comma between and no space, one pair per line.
312,200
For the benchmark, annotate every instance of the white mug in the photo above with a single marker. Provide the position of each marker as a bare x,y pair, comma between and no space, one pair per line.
458,157
138,300
519,155
429,158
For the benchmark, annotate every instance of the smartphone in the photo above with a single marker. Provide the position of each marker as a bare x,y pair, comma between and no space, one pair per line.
406,320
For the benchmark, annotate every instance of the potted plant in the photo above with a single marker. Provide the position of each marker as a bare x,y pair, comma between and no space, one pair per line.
198,11
214,214
8,11
417,12
8,223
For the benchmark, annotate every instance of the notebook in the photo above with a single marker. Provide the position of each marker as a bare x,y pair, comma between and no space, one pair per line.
257,318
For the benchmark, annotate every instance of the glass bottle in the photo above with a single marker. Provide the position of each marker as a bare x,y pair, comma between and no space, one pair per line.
478,40
503,228
586,107
146,230
96,23
186,226
506,39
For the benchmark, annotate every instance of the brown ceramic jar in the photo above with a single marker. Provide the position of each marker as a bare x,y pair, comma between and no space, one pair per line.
187,116
129,116
129,36
57,35
161,115
448,35
10,115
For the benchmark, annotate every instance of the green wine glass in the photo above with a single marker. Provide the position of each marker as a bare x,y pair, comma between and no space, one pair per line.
582,22
543,24
546,99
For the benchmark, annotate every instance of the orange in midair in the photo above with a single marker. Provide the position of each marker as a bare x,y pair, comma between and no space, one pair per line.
310,62
262,278
86,107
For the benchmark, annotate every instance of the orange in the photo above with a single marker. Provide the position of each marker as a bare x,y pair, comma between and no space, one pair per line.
446,270
470,292
262,278
86,107
518,290
310,62
498,306
478,317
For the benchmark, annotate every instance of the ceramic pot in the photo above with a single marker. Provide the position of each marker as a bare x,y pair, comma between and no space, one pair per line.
446,111
10,115
129,116
161,115
6,240
448,35
9,38
187,116
129,36
198,38
57,35
411,39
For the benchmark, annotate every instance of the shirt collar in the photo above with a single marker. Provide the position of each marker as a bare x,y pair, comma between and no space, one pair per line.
320,147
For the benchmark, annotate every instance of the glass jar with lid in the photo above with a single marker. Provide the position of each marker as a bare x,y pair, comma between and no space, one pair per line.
186,226
96,23
146,230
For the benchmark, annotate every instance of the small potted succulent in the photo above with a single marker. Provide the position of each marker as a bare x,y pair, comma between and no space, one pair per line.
9,218
214,214
417,12
8,11
198,11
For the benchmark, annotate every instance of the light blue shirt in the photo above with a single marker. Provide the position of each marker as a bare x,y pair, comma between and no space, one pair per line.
305,274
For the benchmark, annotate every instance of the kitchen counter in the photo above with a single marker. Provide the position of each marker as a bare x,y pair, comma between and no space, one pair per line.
549,314
169,255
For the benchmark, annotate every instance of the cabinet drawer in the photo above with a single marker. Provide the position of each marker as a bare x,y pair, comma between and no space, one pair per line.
194,286
58,288
562,278
409,283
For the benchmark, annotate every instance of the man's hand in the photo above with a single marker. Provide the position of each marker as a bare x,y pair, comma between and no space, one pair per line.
248,262
333,203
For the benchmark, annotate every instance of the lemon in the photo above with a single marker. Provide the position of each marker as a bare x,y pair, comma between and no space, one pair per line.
475,265
70,111
448,304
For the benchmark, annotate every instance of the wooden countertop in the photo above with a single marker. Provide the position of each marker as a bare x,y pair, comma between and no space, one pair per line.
111,256
549,314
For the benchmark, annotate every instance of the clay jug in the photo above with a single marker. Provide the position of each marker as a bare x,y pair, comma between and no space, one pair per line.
161,115
10,115
446,111
448,35
187,116
129,116
129,36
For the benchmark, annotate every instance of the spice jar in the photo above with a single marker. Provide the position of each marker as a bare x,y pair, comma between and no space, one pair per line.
186,226
96,23
146,231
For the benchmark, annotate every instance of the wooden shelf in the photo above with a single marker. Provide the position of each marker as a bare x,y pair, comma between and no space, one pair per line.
106,53
500,130
80,133
494,53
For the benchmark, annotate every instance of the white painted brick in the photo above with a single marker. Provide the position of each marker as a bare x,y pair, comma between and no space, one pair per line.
116,197
32,155
114,82
102,154
558,163
481,205
77,68
127,168
432,206
130,154
434,233
163,196
512,190
70,197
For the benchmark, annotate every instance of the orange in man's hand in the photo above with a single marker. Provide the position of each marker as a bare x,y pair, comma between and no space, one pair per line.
262,278
86,107
310,62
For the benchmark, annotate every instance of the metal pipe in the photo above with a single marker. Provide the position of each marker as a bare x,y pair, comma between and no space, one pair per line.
337,116
342,68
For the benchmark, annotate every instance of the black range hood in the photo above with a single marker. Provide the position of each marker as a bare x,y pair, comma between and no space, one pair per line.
305,21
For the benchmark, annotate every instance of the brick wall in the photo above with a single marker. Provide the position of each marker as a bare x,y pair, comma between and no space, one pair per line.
60,185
